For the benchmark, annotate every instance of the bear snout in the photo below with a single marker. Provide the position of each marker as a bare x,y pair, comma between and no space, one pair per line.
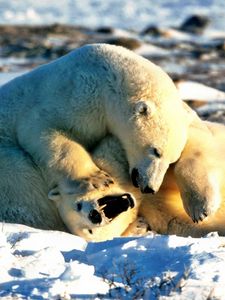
149,175
95,217
135,177
148,190
112,206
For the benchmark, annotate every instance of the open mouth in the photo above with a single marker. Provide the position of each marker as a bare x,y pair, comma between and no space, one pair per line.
112,206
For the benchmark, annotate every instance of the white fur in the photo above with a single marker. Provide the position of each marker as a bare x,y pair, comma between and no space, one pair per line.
53,115
199,178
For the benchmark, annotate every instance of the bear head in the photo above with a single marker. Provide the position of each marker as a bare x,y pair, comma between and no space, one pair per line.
151,121
96,215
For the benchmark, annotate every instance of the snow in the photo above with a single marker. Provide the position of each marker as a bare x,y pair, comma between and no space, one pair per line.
190,90
151,50
5,77
38,264
130,14
44,263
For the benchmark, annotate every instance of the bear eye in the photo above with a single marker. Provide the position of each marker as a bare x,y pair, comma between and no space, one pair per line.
144,108
156,152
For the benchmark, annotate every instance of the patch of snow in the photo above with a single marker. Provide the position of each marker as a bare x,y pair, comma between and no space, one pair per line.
5,77
50,264
190,90
151,50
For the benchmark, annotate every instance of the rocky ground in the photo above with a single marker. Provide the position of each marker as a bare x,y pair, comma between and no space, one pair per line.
186,53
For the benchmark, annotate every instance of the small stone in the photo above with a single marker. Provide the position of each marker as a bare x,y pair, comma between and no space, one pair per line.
106,30
129,43
152,30
195,24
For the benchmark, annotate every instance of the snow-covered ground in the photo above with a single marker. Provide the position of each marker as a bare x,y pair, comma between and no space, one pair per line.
37,264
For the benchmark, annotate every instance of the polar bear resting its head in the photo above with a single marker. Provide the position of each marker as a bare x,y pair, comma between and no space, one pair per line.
197,177
102,213
53,116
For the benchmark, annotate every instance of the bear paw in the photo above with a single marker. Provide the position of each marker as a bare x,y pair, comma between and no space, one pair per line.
98,180
139,227
198,213
199,208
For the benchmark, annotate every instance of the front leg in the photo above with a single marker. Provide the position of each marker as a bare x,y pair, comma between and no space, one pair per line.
67,163
197,173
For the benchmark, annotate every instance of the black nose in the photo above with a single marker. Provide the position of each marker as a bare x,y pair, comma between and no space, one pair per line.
148,190
95,216
135,177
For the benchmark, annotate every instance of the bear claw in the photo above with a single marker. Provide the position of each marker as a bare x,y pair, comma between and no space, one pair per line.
198,216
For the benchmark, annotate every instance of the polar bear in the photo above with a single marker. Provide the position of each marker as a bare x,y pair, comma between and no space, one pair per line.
200,182
53,116
103,213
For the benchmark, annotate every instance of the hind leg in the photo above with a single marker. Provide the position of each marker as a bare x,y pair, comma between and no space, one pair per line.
185,228
23,191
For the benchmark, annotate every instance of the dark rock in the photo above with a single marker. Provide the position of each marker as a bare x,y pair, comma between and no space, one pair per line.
195,24
106,30
32,51
29,31
189,59
152,30
129,43
220,48
218,117
213,112
46,42
195,104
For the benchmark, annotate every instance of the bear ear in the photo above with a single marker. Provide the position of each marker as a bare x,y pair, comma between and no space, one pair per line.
144,108
54,194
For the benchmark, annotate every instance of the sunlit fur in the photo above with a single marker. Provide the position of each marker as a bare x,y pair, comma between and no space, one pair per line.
51,117
204,185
